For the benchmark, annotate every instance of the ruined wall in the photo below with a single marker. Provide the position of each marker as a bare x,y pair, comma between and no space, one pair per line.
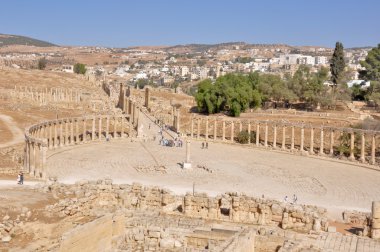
229,207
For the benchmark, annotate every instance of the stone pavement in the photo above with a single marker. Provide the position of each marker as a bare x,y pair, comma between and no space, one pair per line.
222,168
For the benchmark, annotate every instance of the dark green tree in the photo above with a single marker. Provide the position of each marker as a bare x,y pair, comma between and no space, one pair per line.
337,63
42,63
80,68
371,65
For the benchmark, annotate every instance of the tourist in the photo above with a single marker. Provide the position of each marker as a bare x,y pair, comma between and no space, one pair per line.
286,199
203,145
206,145
149,126
294,199
21,178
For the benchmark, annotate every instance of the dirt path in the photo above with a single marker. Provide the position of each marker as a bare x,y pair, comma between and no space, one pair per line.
17,133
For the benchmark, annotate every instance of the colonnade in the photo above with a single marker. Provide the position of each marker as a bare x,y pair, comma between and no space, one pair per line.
50,135
356,144
45,95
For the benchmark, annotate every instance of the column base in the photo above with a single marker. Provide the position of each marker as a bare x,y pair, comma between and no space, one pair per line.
186,165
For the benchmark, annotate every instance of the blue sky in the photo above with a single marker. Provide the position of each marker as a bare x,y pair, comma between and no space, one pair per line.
170,22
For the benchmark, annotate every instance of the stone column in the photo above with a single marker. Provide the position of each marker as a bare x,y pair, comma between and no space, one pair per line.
84,130
311,140
258,134
321,152
283,137
215,129
76,131
206,129
292,139
61,140
43,160
100,128
198,128
93,129
108,126
302,138
115,127
240,126
223,130
266,135
373,150
249,132
66,132
50,136
187,163
331,142
33,163
375,222
177,122
275,136
192,127
71,131
55,135
362,149
26,156
352,145
232,131
122,127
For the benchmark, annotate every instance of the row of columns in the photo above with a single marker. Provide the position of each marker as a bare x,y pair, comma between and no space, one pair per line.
322,149
35,158
48,95
67,131
54,134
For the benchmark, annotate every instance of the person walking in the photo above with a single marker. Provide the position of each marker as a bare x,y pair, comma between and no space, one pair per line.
203,145
21,178
295,199
206,145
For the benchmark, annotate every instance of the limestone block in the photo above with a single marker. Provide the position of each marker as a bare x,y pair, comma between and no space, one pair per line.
375,233
317,225
376,209
375,223
167,243
276,209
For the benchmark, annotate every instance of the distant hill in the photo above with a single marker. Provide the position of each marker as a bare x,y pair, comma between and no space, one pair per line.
6,40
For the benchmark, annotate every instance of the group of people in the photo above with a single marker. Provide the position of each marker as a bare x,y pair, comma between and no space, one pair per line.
204,145
286,199
20,178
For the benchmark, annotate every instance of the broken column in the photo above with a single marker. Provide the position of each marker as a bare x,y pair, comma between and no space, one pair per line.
187,163
375,224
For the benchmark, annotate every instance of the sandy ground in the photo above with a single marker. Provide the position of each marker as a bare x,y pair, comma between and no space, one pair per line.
9,127
333,185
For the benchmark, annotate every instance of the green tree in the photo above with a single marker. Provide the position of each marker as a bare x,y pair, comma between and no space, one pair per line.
80,68
371,65
337,63
42,62
233,93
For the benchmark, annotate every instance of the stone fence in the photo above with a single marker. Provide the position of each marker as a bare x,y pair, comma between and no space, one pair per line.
47,95
293,112
350,143
50,135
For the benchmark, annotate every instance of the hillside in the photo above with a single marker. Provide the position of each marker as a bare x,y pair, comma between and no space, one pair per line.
6,40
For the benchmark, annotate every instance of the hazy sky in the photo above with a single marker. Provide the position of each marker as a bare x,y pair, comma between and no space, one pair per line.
170,22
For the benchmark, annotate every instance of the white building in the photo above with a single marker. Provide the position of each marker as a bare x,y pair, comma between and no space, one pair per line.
184,71
68,68
321,60
362,83
306,60
289,59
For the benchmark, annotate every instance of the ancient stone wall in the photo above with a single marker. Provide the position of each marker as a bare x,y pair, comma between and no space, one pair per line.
229,207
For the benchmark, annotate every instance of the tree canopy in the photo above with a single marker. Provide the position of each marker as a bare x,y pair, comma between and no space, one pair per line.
233,93
371,65
337,64
80,68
